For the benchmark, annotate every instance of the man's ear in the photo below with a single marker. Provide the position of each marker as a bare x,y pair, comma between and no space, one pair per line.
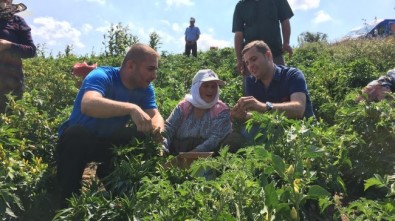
130,64
269,55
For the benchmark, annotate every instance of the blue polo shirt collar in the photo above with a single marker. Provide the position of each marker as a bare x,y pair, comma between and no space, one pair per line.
276,76
277,73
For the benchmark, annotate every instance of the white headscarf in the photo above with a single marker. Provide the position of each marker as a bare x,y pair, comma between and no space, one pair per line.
195,99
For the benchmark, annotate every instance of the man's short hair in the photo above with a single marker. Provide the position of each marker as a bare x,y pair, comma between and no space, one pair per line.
261,46
139,52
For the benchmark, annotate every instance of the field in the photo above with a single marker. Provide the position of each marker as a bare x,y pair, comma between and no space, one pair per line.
337,167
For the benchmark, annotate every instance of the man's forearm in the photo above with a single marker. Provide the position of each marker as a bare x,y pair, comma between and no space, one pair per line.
286,31
95,106
292,109
238,44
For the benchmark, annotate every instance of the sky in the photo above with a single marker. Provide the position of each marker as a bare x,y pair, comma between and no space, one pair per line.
82,24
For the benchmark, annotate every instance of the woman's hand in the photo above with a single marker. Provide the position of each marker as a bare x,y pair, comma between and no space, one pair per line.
238,113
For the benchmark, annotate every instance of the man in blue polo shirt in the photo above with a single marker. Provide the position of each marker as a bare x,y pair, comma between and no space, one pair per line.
192,34
108,98
271,87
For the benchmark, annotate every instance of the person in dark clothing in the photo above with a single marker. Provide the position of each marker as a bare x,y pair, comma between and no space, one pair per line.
15,43
264,20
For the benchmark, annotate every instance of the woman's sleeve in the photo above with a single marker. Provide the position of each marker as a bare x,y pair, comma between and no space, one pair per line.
221,127
171,125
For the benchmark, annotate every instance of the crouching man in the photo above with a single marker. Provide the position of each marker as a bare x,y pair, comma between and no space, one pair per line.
271,87
108,98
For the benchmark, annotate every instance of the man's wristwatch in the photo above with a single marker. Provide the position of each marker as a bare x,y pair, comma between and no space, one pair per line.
269,106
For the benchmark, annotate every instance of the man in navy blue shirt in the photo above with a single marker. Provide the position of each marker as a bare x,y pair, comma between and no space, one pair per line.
271,87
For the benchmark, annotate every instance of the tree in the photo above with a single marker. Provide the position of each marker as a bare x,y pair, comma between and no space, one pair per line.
68,50
309,37
41,50
154,40
118,40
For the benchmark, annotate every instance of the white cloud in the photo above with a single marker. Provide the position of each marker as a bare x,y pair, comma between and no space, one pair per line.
165,22
321,17
211,30
86,28
304,4
107,25
101,2
179,3
104,28
53,31
174,27
177,28
165,37
206,41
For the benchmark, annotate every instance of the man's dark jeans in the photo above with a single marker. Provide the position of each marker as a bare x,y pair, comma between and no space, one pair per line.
191,47
77,147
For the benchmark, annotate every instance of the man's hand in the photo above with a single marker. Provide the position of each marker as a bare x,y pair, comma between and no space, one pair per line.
241,68
238,113
287,48
250,103
241,111
4,44
141,119
157,135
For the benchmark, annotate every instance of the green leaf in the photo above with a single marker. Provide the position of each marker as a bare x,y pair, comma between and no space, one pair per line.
324,203
313,152
9,212
373,182
299,169
389,207
271,198
342,184
317,191
260,152
278,164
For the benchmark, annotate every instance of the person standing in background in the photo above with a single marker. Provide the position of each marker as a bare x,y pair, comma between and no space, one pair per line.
192,34
15,43
260,20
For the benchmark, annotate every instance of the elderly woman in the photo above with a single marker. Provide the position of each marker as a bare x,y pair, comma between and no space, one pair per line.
15,43
200,121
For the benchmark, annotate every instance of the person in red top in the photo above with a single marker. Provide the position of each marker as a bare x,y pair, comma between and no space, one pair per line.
15,43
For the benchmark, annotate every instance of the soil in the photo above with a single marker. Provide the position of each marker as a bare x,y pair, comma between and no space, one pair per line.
47,203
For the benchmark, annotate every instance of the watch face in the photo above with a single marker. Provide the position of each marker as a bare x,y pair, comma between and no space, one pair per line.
269,106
